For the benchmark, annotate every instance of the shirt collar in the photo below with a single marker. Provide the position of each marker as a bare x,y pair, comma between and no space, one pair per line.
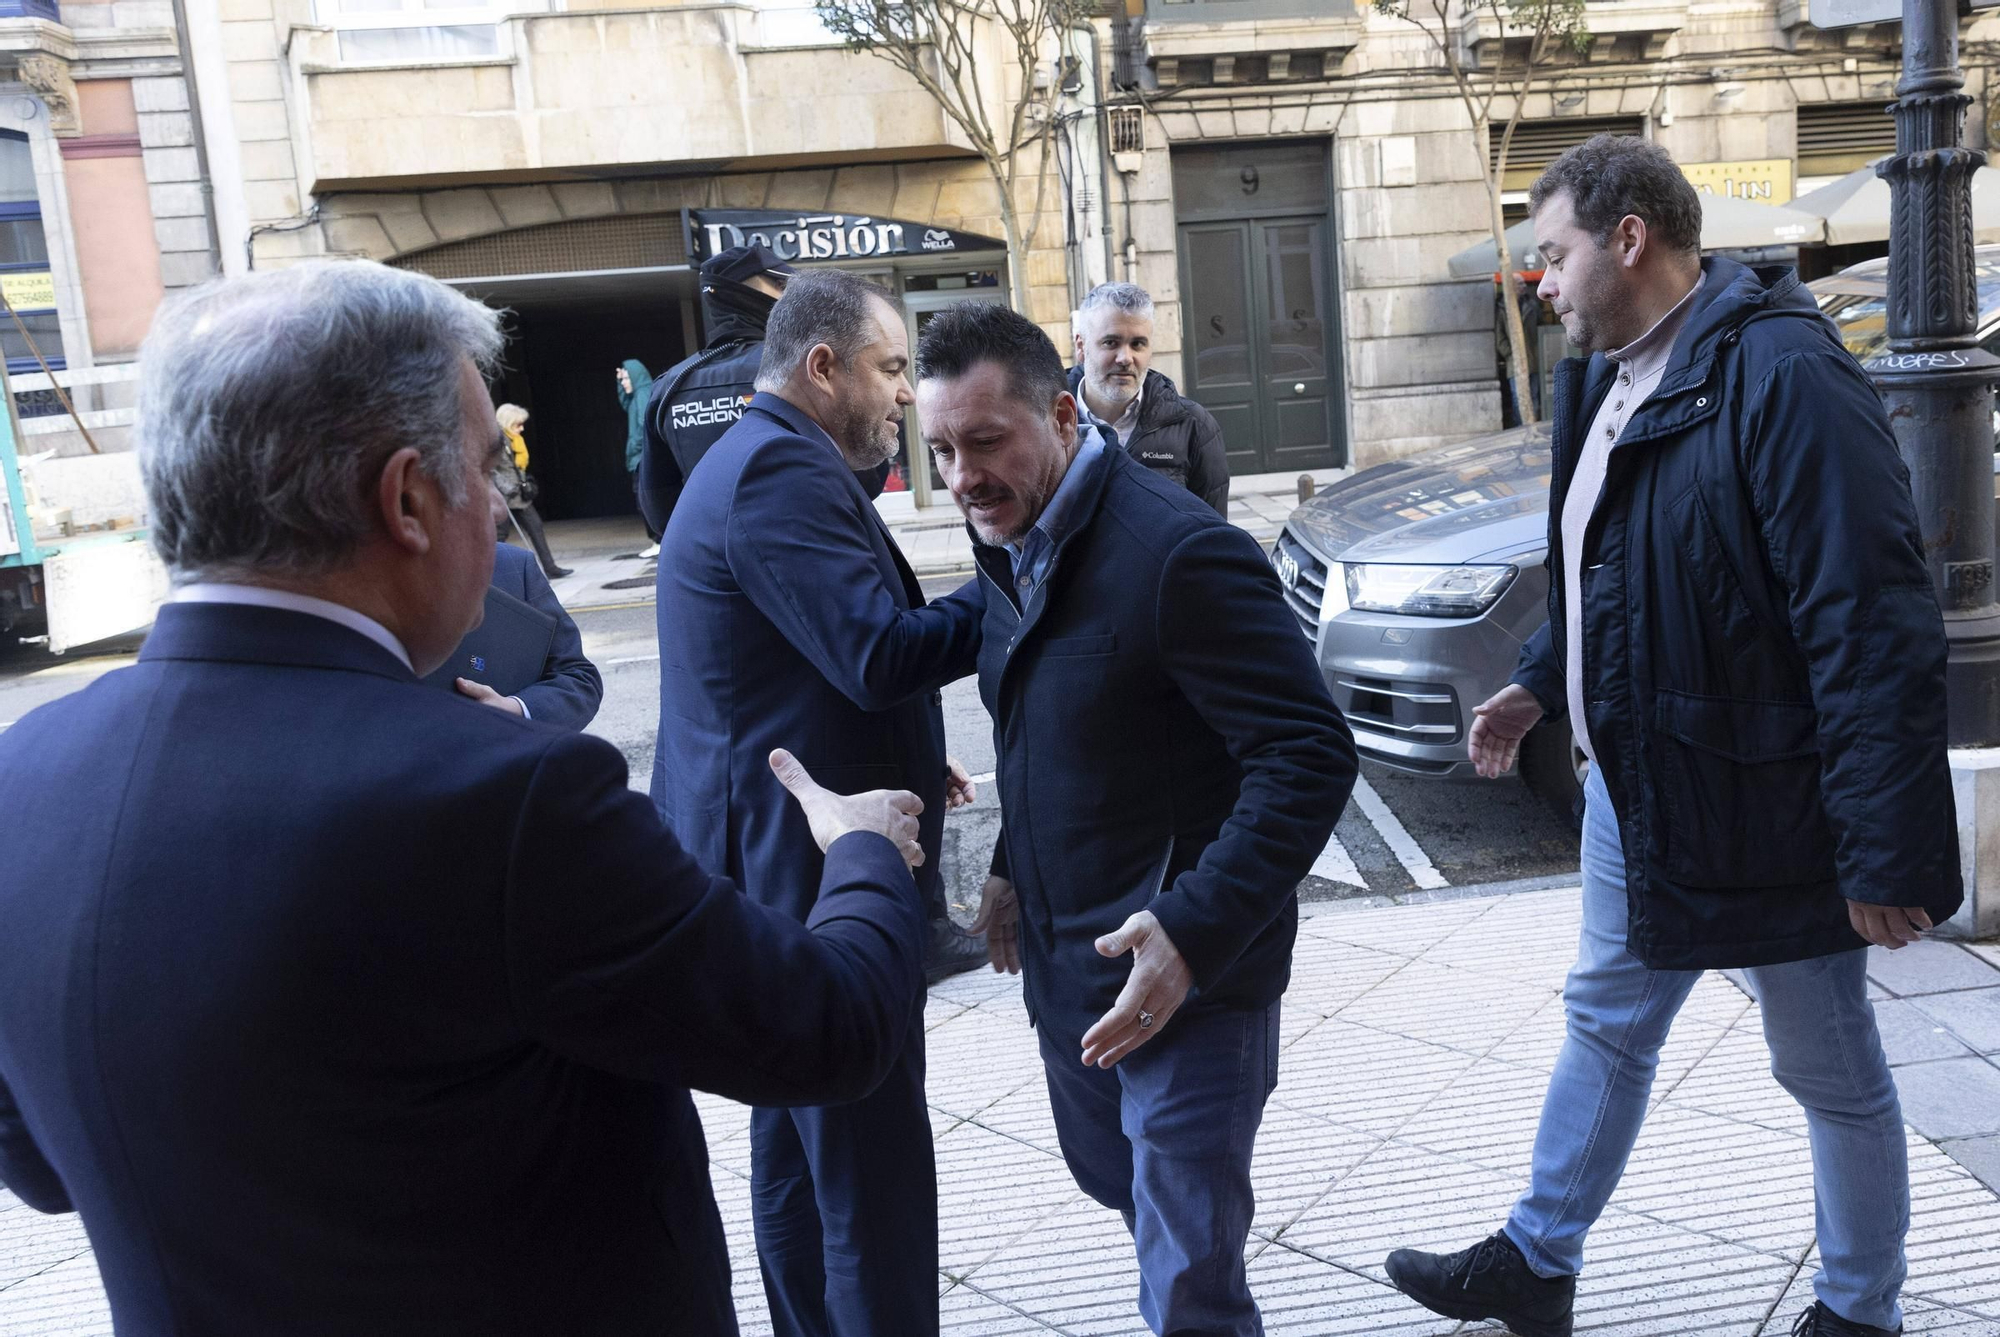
1648,353
1058,517
262,596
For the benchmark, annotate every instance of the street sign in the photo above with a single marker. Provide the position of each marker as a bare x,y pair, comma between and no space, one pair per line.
1851,13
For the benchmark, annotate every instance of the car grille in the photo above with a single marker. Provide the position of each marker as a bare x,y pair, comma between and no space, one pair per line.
1304,578
1416,711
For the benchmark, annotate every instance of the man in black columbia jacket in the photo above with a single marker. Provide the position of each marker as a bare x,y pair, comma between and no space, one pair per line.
1137,409
1169,766
1743,633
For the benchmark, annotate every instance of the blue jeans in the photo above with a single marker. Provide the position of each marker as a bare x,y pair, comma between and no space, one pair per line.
1165,1139
1824,1050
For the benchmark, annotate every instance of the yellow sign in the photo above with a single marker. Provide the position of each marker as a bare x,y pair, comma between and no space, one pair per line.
34,291
1763,180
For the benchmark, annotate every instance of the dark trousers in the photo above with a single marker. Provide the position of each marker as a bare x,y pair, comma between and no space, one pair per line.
844,1200
1165,1139
652,534
531,525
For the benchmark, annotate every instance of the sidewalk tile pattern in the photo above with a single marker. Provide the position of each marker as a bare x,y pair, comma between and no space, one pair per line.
1418,1045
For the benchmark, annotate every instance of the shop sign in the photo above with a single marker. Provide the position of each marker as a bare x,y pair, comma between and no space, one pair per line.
31,291
1759,180
807,237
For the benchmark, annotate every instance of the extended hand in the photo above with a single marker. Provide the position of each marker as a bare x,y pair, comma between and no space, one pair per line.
486,696
886,812
959,791
1498,727
1889,926
999,918
1159,982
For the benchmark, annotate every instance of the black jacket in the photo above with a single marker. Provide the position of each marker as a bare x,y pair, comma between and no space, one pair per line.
698,399
1176,437
381,1016
1165,742
1763,655
693,403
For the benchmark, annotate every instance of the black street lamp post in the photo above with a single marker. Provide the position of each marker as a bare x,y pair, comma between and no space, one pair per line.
1937,382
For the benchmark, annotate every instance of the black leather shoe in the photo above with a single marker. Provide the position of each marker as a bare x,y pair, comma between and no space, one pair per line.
950,950
559,573
1819,1321
1489,1280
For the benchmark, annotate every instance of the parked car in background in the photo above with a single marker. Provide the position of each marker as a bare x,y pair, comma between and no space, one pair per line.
1418,580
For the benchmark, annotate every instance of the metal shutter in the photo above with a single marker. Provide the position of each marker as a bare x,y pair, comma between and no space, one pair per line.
1837,137
1538,143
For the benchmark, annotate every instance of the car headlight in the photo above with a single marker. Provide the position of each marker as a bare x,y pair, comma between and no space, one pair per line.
1426,591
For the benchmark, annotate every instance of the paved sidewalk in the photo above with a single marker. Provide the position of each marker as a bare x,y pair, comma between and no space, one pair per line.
1419,1040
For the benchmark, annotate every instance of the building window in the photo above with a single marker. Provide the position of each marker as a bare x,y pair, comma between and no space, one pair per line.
1837,137
1538,143
24,263
376,32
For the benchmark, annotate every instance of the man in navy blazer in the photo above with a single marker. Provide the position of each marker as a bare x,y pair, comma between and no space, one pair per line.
1170,765
787,612
570,688
335,1003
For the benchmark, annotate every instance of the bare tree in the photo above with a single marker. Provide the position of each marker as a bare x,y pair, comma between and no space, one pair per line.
936,42
1548,27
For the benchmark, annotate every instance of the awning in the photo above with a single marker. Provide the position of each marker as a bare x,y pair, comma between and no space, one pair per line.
1856,207
1727,224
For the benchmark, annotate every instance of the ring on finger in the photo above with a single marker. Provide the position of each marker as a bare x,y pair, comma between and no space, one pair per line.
1145,1020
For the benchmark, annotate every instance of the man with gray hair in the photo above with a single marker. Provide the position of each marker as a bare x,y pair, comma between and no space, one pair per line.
1136,408
787,611
337,1003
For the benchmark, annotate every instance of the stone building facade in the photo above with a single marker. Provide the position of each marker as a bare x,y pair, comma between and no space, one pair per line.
1746,93
102,204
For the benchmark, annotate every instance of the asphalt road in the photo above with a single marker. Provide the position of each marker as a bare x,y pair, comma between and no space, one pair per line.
1400,836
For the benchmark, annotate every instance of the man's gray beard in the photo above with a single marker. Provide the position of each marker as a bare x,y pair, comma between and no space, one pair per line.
1110,394
866,442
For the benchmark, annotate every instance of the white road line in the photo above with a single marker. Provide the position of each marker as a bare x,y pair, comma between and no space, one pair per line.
1335,864
634,659
1407,851
984,777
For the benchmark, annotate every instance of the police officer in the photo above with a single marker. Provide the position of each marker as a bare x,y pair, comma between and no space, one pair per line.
699,398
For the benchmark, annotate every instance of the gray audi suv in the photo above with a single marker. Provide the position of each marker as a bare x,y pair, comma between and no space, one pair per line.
1417,580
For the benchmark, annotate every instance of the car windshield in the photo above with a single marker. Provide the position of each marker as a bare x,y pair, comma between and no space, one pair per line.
1863,319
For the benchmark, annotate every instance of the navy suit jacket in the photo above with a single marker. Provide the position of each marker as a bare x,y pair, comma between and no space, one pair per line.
1165,743
571,688
788,618
337,1004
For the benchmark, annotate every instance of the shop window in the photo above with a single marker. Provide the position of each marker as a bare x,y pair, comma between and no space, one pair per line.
955,281
24,263
1536,144
1837,137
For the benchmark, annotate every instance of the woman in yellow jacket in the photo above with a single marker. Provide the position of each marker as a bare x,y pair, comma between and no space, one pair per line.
519,490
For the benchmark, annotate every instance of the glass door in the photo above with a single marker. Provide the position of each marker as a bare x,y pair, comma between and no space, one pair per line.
922,308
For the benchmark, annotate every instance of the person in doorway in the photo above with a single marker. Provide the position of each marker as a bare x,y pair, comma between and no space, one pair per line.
518,488
635,385
1170,764
1743,634
1136,408
699,398
787,611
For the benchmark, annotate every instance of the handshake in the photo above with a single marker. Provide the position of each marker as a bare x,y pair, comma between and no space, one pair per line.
886,812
